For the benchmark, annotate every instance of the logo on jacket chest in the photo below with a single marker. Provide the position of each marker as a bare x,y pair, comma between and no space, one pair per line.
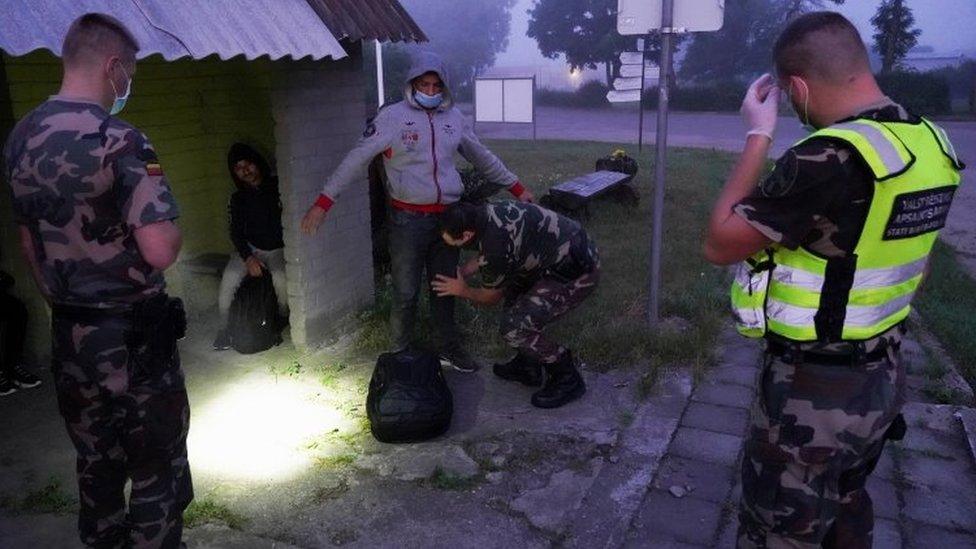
409,139
449,129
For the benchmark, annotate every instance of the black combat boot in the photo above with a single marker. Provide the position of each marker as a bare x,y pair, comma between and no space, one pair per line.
523,369
564,384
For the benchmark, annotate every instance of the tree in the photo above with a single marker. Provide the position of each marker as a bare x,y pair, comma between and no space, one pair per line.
743,47
740,49
895,36
584,31
467,34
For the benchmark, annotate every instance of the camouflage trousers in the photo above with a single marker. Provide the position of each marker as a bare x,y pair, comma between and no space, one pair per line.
127,415
527,314
817,433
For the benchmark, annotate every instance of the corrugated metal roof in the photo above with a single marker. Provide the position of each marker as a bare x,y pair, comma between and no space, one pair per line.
180,28
383,20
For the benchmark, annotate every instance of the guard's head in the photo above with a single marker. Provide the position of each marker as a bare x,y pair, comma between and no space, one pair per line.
98,48
817,56
459,224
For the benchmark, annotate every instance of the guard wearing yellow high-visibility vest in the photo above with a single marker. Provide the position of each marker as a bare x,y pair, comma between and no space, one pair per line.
832,246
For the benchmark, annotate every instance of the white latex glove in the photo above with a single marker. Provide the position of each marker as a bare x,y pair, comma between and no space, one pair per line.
760,108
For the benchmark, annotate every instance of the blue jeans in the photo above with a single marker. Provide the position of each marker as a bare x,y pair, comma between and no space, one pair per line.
415,246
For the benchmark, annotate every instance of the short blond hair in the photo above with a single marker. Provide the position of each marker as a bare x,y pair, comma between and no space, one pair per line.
95,36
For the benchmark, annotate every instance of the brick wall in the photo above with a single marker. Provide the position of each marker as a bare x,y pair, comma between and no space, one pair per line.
319,111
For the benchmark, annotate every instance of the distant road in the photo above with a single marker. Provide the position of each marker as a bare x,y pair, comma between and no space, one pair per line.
724,131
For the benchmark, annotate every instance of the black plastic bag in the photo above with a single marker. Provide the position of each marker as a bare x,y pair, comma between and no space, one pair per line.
408,399
254,324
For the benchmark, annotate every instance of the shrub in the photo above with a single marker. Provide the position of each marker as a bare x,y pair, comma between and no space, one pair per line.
922,93
716,96
591,95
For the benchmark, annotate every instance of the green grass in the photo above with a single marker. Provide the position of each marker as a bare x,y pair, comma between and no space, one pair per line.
207,510
947,303
609,329
50,498
442,480
335,462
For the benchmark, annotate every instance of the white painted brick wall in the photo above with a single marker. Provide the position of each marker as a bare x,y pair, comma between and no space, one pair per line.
319,115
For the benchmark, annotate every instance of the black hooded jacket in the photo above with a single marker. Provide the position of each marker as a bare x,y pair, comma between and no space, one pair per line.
255,213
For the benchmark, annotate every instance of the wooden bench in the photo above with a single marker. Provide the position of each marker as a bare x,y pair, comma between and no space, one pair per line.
574,196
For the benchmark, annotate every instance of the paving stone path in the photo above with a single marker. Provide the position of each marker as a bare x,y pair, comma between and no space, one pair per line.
924,489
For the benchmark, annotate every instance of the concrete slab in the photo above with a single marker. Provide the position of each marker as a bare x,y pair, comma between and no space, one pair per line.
884,495
886,533
735,374
703,480
608,508
967,417
735,396
31,531
706,446
946,508
686,520
419,461
549,508
711,417
924,536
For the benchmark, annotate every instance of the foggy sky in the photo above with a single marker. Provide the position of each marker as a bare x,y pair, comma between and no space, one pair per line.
946,26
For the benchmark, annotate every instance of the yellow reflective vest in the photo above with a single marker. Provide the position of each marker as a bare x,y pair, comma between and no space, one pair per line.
802,296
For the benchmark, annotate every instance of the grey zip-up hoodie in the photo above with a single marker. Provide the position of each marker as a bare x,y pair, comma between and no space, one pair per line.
418,147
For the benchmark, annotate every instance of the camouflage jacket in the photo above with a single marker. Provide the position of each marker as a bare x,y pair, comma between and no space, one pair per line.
818,194
519,243
82,181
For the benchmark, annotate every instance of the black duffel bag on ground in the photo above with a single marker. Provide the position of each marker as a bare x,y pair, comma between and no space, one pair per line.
408,398
253,322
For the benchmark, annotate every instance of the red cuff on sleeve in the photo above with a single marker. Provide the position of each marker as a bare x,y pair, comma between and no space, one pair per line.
517,189
324,202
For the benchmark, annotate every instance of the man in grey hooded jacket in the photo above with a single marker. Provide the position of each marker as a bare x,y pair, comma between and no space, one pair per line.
418,138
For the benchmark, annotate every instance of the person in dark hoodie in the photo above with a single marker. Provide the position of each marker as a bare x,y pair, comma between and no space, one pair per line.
418,138
13,333
255,230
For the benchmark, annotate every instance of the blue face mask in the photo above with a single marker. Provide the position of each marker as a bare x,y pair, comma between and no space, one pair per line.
428,101
120,100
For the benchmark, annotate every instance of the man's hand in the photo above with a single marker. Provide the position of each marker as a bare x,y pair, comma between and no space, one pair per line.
470,267
445,286
527,196
313,218
760,108
254,266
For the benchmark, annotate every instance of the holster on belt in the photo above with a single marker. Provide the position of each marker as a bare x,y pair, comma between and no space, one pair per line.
157,324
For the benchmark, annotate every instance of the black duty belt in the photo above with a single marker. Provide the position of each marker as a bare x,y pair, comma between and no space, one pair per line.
81,313
792,354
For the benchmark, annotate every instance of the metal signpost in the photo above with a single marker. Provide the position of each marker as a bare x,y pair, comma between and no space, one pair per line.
380,90
640,17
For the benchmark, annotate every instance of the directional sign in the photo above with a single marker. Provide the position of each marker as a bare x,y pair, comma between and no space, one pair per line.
629,96
634,71
631,71
631,57
624,84
644,16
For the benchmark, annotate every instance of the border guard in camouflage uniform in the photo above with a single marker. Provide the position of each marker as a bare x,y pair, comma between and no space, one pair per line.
543,265
96,223
836,241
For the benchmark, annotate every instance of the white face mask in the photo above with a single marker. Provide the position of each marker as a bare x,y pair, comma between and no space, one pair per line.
805,117
120,100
